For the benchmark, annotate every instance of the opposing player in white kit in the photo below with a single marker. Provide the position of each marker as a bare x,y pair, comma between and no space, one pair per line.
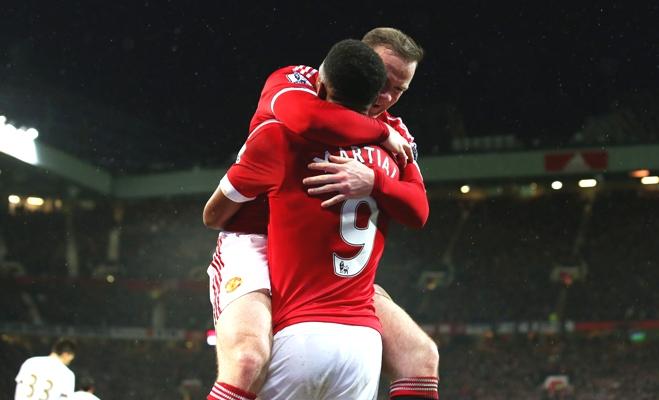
86,389
243,343
47,377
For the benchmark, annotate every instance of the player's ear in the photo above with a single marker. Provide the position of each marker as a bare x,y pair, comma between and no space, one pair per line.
321,86
321,90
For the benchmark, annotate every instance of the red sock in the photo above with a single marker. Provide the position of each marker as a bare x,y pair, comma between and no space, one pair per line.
222,391
416,387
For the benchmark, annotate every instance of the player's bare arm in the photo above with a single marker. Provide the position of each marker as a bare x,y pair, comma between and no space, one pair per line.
345,176
219,209
405,200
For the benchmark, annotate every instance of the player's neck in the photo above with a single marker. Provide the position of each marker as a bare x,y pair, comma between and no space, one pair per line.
361,110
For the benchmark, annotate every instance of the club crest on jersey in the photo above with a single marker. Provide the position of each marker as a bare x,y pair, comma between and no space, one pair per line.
296,77
233,284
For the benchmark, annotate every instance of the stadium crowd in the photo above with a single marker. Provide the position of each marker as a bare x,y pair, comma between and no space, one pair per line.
473,368
497,255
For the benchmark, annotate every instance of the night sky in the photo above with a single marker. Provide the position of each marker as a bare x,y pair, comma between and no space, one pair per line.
135,85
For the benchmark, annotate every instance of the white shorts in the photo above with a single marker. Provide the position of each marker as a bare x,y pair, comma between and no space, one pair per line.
239,266
319,360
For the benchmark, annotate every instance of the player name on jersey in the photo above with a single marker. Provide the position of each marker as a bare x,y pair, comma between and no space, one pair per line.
368,155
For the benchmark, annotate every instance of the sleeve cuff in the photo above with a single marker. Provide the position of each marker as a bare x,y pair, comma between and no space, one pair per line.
231,193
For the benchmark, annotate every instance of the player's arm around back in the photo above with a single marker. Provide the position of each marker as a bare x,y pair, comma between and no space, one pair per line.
290,96
345,178
405,200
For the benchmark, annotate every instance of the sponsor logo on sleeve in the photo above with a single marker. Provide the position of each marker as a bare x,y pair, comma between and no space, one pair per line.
298,78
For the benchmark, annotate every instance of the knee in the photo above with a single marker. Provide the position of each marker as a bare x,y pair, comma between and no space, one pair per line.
425,357
430,355
420,358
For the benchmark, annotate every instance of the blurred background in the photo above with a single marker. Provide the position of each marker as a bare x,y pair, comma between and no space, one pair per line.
538,132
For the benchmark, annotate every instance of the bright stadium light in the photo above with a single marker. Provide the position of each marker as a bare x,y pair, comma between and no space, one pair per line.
18,143
464,189
35,201
650,180
587,183
32,133
557,185
9,129
13,199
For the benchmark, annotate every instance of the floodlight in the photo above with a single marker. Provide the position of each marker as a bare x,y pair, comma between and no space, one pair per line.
587,183
650,180
35,201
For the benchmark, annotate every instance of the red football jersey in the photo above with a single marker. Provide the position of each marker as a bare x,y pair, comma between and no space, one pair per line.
289,96
322,261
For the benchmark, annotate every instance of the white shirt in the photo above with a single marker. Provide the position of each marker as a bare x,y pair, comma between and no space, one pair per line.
82,395
44,378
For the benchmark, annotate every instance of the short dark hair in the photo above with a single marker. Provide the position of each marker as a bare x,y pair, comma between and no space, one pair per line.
64,346
355,73
395,40
86,383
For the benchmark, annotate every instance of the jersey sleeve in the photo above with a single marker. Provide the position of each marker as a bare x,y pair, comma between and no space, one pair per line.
258,169
291,98
404,200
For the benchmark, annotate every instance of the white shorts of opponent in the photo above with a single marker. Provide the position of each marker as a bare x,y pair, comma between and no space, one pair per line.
239,266
324,361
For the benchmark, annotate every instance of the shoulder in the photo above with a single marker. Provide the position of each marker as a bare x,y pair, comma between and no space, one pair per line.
268,135
270,129
36,360
294,75
398,124
303,74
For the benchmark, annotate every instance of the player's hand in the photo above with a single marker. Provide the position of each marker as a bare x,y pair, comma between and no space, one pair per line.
347,177
399,147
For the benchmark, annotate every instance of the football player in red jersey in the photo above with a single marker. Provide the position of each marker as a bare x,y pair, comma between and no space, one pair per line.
243,342
322,261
